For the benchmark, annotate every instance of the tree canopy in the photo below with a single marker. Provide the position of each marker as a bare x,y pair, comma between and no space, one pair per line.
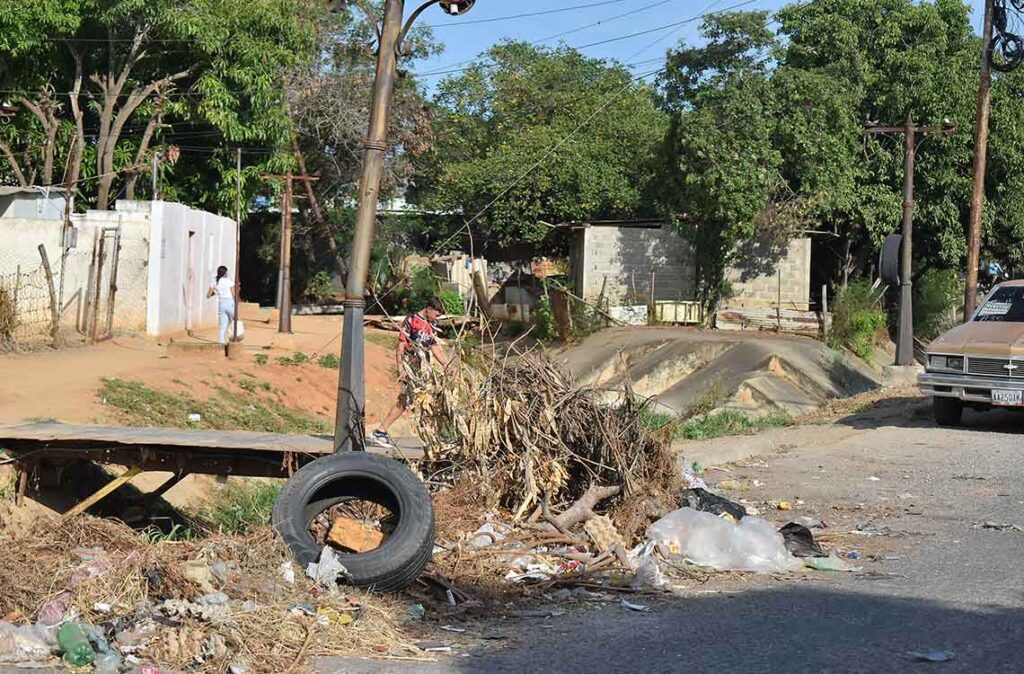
572,137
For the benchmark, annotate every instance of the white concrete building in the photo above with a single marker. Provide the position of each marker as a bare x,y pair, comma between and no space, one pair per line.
143,267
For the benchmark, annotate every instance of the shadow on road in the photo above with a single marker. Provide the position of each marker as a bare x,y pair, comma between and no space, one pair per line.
916,412
804,629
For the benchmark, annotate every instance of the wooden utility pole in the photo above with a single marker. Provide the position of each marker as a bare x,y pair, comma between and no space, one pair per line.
238,238
284,274
980,159
905,332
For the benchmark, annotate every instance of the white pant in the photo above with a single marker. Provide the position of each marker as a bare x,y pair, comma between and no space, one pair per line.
226,314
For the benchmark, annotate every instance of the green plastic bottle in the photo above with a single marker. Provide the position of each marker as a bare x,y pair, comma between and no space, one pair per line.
75,645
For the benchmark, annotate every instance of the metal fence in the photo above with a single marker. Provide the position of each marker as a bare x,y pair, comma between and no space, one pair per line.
26,316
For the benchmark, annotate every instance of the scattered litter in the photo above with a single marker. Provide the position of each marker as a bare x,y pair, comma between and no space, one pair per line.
238,669
101,607
23,644
305,609
449,628
433,647
195,418
999,526
603,533
74,645
751,545
800,541
417,611
932,656
287,572
758,483
811,522
692,480
853,554
872,478
638,608
328,570
784,505
733,485
830,563
487,534
450,596
705,501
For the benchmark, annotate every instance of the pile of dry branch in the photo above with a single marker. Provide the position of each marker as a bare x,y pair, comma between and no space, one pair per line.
523,430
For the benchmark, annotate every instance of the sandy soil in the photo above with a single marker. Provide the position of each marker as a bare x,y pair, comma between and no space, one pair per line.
63,385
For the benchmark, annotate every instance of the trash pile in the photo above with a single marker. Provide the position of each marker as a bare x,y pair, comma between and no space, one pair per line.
520,427
95,592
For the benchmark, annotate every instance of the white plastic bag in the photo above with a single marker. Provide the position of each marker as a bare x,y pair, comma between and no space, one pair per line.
752,544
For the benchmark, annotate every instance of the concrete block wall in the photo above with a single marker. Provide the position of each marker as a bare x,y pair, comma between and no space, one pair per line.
621,259
788,278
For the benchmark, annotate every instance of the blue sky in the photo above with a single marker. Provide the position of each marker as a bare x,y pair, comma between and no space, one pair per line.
465,37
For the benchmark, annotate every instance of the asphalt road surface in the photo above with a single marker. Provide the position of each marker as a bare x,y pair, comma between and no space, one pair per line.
938,581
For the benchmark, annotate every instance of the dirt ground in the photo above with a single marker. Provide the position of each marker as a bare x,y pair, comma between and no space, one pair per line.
63,385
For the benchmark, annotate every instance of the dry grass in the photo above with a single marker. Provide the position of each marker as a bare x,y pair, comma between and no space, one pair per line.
45,561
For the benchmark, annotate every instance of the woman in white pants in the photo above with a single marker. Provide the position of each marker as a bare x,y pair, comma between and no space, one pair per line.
224,290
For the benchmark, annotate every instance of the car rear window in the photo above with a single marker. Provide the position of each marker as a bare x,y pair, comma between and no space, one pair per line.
1005,306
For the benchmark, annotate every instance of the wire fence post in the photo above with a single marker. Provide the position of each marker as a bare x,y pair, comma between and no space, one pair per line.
54,309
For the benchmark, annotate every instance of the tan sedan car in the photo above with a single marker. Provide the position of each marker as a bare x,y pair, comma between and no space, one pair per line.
981,363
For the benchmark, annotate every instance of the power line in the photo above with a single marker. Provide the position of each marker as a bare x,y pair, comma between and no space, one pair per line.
705,14
525,15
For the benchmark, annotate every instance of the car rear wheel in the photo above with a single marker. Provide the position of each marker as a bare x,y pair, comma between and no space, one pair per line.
948,411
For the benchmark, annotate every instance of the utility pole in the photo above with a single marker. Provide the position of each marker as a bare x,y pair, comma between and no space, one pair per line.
905,332
238,237
980,159
349,425
284,273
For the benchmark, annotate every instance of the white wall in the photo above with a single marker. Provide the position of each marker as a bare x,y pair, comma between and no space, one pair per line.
187,247
153,292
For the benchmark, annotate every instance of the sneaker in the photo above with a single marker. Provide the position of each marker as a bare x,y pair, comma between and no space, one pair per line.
381,439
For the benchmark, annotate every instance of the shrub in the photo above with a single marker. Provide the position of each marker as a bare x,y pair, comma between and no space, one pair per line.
856,320
422,286
545,319
328,361
937,294
453,305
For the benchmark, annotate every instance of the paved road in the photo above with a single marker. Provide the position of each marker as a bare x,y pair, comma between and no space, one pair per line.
953,587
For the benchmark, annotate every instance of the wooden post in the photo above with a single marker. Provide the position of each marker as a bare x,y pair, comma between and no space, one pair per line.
54,308
284,297
978,170
238,238
480,289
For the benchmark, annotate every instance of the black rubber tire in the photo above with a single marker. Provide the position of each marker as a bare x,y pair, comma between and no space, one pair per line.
947,411
402,556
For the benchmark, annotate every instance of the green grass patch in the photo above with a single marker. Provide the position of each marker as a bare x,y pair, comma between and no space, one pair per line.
294,360
260,358
139,405
386,340
329,361
730,423
241,507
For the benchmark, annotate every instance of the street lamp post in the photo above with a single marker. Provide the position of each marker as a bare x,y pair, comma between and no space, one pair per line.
349,430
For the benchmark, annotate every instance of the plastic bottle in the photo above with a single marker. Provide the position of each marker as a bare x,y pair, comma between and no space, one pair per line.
108,663
75,645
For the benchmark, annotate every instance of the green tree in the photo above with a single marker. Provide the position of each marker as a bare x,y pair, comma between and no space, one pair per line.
504,116
117,77
720,168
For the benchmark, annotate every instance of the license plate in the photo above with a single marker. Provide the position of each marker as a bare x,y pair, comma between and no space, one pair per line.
1007,397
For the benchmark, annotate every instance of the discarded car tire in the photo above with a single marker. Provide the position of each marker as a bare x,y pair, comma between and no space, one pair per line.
947,411
403,555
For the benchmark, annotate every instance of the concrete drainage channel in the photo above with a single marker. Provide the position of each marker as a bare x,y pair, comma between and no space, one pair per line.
685,369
